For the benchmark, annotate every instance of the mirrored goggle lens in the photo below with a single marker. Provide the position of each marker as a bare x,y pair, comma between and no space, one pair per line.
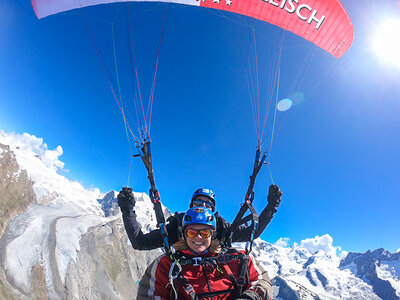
199,202
204,233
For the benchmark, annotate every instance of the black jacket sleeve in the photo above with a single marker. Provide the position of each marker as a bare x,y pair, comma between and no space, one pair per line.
153,239
243,232
263,220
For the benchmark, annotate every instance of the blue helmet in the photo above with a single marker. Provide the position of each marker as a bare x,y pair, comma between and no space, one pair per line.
199,215
204,192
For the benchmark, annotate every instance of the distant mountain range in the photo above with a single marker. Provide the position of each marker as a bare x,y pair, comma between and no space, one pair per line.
62,241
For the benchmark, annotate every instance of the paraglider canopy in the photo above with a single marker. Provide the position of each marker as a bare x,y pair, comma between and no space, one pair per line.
322,22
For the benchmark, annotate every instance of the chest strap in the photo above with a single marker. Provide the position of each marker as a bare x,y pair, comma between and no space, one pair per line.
223,258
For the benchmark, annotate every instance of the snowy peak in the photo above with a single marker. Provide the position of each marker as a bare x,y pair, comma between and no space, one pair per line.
362,261
379,268
43,166
109,204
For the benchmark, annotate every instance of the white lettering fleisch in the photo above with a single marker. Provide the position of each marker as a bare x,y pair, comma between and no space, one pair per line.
283,4
313,18
273,3
298,11
292,8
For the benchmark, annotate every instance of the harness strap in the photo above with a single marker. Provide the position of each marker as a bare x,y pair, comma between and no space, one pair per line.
231,277
249,243
188,288
216,293
211,261
247,205
241,280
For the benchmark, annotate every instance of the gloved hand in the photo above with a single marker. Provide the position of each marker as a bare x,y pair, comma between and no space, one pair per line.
274,197
174,228
126,200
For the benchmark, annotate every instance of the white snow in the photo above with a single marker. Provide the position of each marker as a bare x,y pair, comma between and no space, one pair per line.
69,231
352,267
30,231
390,271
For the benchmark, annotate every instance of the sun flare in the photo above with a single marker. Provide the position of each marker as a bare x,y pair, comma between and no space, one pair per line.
386,42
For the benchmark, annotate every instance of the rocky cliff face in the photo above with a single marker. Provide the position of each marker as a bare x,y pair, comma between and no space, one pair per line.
107,266
16,191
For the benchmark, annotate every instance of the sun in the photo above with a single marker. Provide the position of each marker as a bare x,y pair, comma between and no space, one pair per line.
386,41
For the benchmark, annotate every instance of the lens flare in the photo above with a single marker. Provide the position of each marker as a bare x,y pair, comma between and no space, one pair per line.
284,104
297,98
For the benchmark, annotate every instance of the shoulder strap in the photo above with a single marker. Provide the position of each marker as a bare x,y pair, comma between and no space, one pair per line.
247,205
243,275
240,281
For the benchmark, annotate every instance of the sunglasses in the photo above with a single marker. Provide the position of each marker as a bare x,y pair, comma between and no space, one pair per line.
199,202
204,233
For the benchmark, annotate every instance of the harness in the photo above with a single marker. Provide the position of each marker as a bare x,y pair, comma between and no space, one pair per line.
227,255
220,263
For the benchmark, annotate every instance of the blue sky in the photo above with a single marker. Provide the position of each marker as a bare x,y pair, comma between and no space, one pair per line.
336,156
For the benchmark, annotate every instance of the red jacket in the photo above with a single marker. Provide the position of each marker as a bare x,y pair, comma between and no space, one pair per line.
155,283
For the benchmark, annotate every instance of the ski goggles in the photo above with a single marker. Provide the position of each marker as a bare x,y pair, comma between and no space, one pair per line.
206,203
192,233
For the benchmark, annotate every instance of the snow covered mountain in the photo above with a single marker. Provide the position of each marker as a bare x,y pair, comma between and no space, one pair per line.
60,240
380,268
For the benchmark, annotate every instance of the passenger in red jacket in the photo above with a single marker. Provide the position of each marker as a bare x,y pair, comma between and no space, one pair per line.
201,271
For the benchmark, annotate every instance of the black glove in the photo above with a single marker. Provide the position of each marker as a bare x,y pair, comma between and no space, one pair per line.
126,200
274,197
174,229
